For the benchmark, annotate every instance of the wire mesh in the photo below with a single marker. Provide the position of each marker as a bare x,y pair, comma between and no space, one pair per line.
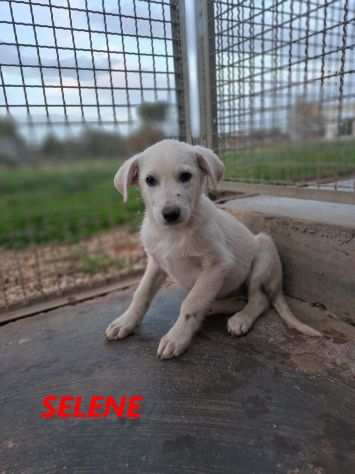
280,89
83,62
73,77
285,90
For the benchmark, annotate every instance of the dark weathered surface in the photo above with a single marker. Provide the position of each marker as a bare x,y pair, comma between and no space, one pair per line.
272,402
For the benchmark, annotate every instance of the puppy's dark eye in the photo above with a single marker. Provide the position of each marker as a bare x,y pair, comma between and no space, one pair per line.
151,180
185,176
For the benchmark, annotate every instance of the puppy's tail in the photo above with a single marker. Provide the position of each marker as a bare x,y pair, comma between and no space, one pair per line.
281,306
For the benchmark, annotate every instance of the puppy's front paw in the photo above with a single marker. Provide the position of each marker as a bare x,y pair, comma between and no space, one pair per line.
173,344
239,324
119,328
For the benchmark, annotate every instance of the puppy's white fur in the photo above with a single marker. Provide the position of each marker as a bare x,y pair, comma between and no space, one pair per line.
206,250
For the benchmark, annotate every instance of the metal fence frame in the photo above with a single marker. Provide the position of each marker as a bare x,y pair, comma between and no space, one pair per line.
206,66
258,58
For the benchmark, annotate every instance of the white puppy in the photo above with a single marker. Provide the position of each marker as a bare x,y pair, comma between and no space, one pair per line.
203,248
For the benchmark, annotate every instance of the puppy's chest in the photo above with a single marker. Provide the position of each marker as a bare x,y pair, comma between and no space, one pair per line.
179,258
183,271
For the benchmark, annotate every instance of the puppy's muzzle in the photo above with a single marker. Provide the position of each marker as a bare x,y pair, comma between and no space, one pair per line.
171,214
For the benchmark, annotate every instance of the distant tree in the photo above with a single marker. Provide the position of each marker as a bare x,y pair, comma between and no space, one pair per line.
91,143
52,146
102,143
152,116
13,148
152,113
141,139
8,128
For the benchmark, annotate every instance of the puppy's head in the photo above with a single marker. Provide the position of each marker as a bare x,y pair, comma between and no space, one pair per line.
172,176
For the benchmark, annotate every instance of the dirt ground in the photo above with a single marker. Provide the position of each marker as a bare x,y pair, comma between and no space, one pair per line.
44,270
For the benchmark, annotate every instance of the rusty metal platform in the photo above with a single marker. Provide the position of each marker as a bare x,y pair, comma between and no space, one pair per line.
271,402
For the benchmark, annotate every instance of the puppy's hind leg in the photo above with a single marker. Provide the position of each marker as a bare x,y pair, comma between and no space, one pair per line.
258,302
265,288
271,281
242,322
226,306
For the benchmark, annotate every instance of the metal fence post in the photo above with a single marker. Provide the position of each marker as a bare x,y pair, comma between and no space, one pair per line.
206,72
178,15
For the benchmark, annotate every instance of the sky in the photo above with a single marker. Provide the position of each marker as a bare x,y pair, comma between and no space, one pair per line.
256,83
99,62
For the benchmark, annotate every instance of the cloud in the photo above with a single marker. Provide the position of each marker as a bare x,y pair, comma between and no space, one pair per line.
95,68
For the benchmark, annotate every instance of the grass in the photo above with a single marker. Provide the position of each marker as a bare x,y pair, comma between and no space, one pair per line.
92,264
67,202
59,203
292,163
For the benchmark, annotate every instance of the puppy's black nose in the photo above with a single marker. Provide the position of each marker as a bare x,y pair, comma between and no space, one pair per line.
171,214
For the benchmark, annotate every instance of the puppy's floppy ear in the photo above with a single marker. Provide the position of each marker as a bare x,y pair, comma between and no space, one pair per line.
210,164
126,175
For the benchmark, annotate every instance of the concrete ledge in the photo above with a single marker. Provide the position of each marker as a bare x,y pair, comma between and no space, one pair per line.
292,191
316,241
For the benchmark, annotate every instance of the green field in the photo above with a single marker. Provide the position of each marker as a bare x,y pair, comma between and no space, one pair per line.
67,201
62,202
292,163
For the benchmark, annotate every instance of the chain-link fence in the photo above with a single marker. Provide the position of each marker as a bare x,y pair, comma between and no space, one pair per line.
71,63
83,84
283,77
